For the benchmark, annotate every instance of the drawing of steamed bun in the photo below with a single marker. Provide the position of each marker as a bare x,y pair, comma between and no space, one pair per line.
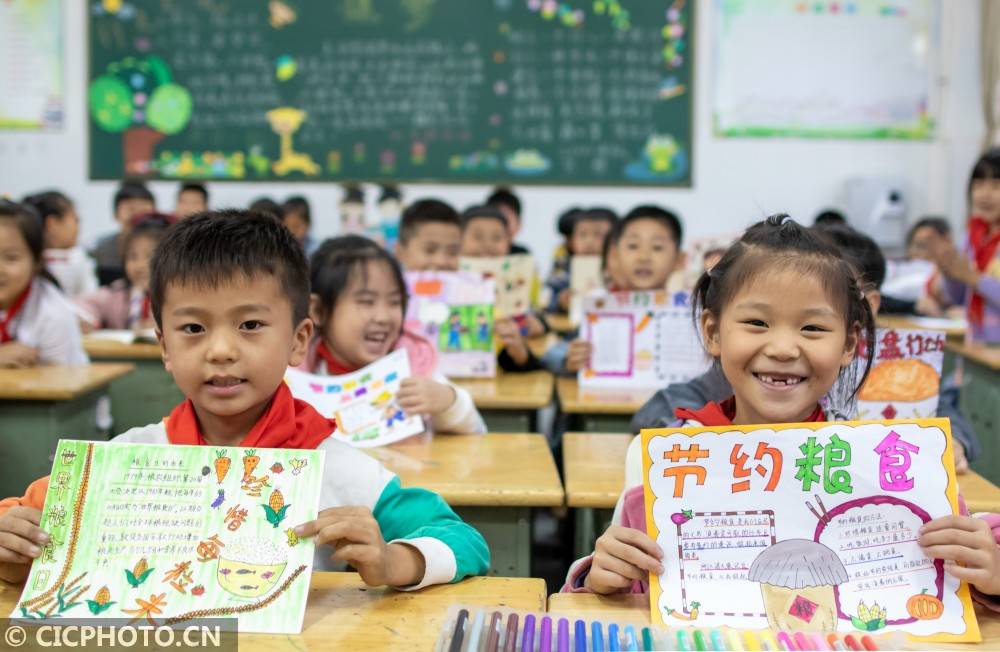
910,387
797,578
249,568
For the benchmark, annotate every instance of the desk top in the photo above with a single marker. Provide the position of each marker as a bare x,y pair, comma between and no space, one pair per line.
55,383
635,608
531,390
988,356
594,466
344,614
913,322
492,470
980,494
559,323
99,349
575,400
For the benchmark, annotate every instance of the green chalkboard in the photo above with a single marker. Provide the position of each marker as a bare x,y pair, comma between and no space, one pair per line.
464,91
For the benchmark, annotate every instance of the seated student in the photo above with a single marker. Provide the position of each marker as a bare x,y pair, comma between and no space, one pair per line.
265,205
559,274
358,305
589,229
510,206
430,237
781,308
132,199
68,263
125,303
191,198
297,218
932,298
230,297
37,323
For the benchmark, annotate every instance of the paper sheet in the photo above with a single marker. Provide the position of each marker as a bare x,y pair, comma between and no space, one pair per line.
514,278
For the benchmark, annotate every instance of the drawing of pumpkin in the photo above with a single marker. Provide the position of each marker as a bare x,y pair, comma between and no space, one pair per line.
924,606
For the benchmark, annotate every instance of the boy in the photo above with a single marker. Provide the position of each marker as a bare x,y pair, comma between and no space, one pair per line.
191,198
296,215
132,200
586,238
509,206
430,237
230,296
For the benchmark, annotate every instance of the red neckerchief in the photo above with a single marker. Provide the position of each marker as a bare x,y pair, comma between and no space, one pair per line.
5,334
722,414
984,248
287,423
144,312
334,367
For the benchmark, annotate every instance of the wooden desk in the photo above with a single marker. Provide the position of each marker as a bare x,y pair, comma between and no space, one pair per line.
146,396
559,323
980,401
40,406
510,402
603,410
344,614
493,481
635,609
980,494
594,468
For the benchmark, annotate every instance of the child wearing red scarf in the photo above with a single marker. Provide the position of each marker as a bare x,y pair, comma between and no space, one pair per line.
229,293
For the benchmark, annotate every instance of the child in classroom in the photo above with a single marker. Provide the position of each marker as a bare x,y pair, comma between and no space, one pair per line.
296,215
68,263
358,304
265,205
559,273
37,323
924,280
782,314
587,233
972,277
230,298
509,205
125,303
132,199
192,198
430,237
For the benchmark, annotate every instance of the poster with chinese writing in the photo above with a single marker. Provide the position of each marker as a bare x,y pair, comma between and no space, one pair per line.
808,527
32,34
585,276
363,402
514,278
640,339
160,534
454,310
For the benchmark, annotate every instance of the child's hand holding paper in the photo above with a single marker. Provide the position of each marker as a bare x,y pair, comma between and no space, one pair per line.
967,541
419,395
621,556
20,537
578,355
509,335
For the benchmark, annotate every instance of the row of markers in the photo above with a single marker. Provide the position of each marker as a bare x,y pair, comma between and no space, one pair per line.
487,632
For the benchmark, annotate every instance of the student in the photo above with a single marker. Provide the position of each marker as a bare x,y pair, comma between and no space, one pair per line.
125,304
132,200
430,237
267,206
830,217
931,297
559,274
358,305
587,235
296,215
509,205
973,278
68,263
191,198
230,297
37,324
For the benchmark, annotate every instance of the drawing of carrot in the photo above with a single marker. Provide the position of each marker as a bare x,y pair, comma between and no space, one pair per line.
222,464
682,616
250,462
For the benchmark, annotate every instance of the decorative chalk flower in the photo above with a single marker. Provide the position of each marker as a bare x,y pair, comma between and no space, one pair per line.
139,573
275,508
101,602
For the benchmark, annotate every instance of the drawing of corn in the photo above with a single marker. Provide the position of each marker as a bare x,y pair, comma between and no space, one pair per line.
275,509
101,602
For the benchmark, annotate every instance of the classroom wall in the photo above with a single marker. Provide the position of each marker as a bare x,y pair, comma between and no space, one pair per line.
735,181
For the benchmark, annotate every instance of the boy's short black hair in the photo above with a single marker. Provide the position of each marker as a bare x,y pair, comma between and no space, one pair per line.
830,217
667,218
211,248
597,214
505,197
194,186
133,190
486,212
566,221
940,225
265,205
297,204
426,211
860,251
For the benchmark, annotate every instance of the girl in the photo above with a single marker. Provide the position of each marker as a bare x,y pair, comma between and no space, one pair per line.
125,303
65,260
782,313
37,325
358,304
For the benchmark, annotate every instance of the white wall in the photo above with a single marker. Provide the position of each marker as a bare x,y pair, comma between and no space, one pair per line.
735,181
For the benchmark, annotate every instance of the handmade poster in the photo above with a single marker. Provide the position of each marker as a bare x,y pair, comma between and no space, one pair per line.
454,310
161,534
640,339
585,276
32,72
807,527
514,278
363,402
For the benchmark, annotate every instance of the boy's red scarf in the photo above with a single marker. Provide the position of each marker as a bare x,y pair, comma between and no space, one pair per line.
5,332
287,423
721,414
984,248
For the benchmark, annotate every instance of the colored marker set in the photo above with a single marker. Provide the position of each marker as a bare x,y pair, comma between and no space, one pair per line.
471,629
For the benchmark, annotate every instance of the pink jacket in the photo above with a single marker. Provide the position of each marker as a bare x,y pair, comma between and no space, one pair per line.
107,307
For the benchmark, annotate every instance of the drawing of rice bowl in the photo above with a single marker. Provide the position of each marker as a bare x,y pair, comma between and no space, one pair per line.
249,568
909,387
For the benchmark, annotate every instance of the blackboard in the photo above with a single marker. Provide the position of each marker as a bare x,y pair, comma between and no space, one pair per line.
464,91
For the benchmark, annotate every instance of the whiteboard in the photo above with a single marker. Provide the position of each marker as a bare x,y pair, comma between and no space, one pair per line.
833,69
